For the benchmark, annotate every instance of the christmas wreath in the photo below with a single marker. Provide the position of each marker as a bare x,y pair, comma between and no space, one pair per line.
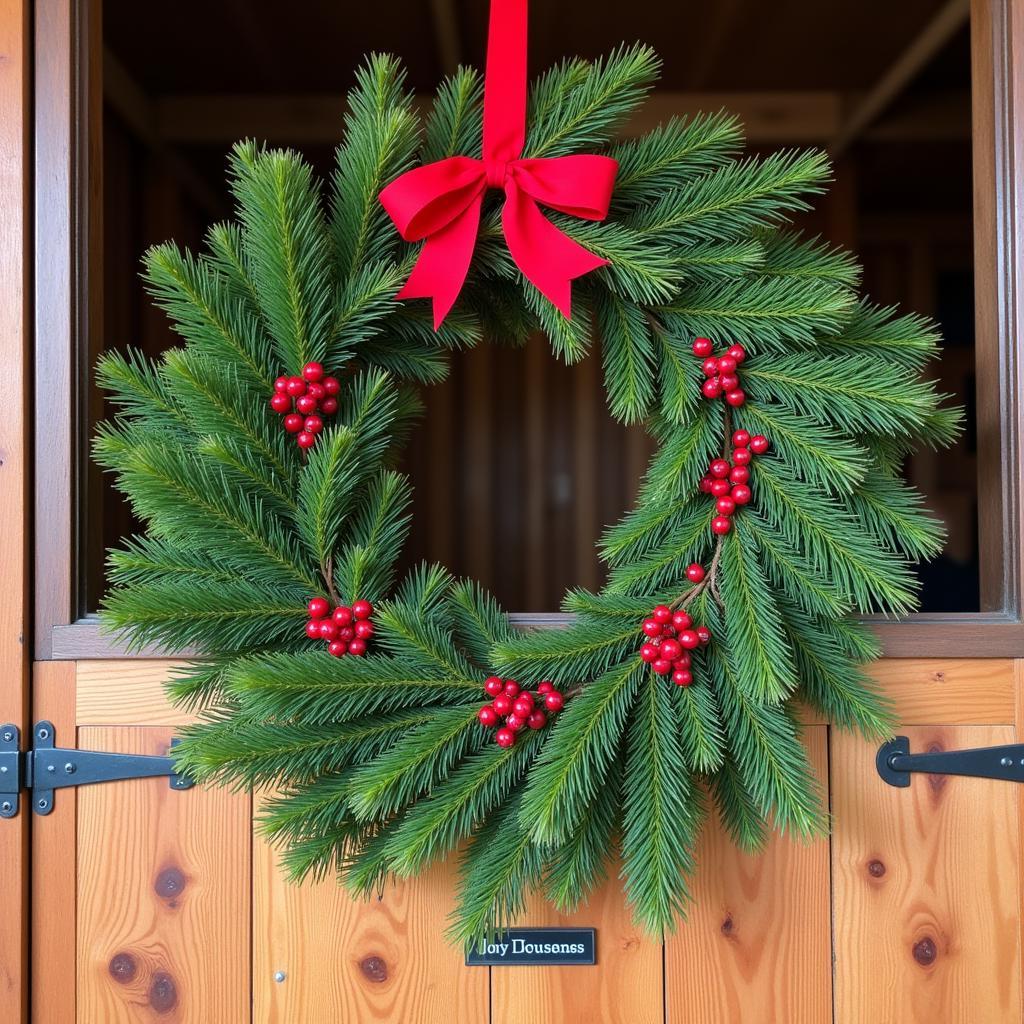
399,724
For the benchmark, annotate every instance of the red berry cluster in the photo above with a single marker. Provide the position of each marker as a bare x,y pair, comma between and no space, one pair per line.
345,630
728,481
671,636
519,708
722,371
312,393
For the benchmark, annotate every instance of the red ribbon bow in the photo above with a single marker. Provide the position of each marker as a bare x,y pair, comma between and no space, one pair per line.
441,202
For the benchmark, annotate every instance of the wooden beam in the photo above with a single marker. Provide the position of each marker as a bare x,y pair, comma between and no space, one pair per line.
447,36
310,118
932,38
15,346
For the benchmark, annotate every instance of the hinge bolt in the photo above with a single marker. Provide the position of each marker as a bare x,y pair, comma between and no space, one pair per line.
6,806
41,803
69,768
8,736
1006,762
44,733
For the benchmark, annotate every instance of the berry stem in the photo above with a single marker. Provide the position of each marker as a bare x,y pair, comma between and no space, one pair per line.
327,572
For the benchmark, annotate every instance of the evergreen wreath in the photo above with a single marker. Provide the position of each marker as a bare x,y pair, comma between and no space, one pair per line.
767,519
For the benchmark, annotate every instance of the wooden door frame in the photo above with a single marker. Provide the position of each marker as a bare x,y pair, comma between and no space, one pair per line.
15,482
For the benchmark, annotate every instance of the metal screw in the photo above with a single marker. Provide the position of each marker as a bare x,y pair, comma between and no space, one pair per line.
42,803
3,769
8,735
6,806
44,733
279,976
69,768
1006,762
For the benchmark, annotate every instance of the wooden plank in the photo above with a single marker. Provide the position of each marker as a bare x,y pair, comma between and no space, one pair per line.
53,860
130,692
163,895
342,959
756,944
926,888
625,987
15,61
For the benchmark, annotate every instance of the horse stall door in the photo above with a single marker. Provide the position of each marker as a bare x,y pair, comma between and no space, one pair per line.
156,905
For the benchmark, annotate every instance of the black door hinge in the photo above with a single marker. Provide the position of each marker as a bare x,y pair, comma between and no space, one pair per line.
895,762
46,767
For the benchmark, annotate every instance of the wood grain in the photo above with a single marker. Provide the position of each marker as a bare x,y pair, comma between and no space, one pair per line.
54,860
756,944
163,895
130,692
926,888
344,959
15,345
624,988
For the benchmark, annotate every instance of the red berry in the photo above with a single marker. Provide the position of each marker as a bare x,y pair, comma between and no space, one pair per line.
705,484
280,402
296,386
523,706
512,688
737,352
316,391
740,494
668,630
719,468
683,661
662,613
719,487
740,438
694,573
759,444
305,439
313,424
337,648
726,506
329,406
293,422
710,367
318,607
505,738
670,650
702,347
739,474
741,456
328,630
711,388
346,633
726,364
729,382
689,639
704,634
682,677
735,398
546,687
515,722
313,629
648,653
364,629
652,627
342,616
487,715
281,384
662,666
494,685
306,404
362,609
721,525
554,701
312,371
537,720
502,704
681,620
331,385
357,647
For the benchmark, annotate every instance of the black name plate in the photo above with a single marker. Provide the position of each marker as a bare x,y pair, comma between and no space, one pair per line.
551,946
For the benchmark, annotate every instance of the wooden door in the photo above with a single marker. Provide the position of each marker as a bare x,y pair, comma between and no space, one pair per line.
160,905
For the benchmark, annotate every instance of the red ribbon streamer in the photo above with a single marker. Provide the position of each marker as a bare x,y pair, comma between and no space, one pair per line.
440,202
